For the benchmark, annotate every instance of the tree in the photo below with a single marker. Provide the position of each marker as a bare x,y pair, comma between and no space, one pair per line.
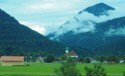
49,59
101,58
81,60
87,60
64,57
97,70
9,50
68,68
124,74
112,59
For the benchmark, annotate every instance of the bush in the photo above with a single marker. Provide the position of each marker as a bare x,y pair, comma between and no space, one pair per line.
124,74
50,59
68,68
97,70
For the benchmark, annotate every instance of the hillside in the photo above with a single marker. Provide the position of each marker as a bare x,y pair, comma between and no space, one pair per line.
89,30
17,39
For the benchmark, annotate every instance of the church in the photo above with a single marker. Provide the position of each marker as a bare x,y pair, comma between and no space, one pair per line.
70,53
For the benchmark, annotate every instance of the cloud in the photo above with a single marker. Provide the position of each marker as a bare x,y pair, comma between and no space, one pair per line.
35,26
117,31
85,20
50,14
53,6
47,7
89,27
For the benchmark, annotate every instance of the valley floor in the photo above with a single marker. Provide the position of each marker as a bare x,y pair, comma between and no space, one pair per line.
47,69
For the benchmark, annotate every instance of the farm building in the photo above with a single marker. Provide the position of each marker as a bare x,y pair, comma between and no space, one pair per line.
11,60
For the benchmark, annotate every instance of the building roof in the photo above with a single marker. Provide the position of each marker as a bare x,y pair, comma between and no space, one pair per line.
12,58
72,53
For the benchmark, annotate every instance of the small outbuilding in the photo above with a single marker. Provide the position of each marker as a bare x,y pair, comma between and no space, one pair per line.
11,60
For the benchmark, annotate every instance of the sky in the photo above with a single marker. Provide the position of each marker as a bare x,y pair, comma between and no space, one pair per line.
45,16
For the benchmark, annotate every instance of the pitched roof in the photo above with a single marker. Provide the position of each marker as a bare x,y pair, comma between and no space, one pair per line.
72,53
12,58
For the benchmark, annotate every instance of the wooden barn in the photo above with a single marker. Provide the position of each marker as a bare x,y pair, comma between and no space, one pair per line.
11,60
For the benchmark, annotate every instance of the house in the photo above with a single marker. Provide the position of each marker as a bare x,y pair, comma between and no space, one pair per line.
12,60
40,59
121,61
71,54
94,61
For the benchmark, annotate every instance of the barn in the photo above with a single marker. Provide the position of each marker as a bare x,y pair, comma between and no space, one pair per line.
11,60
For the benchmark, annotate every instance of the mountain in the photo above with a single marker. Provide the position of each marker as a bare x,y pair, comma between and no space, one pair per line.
85,20
113,35
99,9
116,48
91,28
17,39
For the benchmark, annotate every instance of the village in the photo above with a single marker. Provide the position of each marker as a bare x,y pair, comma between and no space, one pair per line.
23,60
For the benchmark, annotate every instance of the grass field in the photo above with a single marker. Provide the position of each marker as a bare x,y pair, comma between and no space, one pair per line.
47,69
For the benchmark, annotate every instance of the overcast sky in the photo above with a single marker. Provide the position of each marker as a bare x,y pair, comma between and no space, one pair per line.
45,16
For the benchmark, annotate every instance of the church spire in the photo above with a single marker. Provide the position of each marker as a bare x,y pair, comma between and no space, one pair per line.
67,49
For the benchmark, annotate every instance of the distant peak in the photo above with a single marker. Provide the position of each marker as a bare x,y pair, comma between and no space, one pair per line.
99,9
103,5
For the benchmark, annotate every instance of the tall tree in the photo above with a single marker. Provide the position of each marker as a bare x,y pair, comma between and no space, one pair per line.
50,59
68,68
97,70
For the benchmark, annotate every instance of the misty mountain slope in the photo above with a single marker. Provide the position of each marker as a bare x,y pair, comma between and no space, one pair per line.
17,39
84,21
93,30
116,48
104,33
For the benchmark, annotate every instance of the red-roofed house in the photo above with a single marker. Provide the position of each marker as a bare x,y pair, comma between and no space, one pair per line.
11,60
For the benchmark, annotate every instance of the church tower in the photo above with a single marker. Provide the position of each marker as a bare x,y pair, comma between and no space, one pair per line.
67,50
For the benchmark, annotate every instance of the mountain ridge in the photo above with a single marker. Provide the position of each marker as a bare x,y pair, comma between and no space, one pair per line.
99,9
18,39
86,31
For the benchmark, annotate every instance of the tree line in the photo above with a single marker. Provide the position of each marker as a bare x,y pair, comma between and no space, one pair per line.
68,68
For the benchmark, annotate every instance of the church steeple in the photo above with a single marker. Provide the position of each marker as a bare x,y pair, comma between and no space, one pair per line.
67,50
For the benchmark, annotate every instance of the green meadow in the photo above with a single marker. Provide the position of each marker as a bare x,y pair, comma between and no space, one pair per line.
47,69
